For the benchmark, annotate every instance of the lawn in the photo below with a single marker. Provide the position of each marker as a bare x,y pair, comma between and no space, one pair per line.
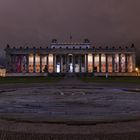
111,79
8,80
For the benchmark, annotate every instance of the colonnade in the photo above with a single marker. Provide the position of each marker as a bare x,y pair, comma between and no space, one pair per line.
73,63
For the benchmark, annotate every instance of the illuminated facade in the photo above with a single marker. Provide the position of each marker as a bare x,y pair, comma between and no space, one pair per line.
71,58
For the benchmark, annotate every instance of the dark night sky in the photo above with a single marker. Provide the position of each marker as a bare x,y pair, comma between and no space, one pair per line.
36,22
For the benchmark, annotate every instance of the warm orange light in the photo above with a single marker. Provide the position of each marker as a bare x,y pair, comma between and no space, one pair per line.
137,69
2,72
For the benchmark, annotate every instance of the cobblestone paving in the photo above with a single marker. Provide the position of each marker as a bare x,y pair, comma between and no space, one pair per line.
32,136
92,111
71,102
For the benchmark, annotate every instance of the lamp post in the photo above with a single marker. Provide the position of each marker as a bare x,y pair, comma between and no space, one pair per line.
137,71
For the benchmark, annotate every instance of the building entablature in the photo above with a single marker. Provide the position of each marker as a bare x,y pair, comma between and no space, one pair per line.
47,50
18,52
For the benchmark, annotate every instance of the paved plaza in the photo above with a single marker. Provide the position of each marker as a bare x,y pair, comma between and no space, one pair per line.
71,102
70,106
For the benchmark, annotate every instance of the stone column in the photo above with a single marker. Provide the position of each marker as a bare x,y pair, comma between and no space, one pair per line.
78,57
34,63
126,63
27,63
67,63
80,63
92,62
73,63
134,61
14,63
54,62
113,62
66,60
10,59
11,66
47,62
87,63
21,63
120,63
100,65
60,56
62,63
40,63
106,62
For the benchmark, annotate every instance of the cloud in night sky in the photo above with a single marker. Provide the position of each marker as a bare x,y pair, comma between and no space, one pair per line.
38,21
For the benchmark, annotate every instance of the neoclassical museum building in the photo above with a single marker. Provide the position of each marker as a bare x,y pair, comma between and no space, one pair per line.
71,58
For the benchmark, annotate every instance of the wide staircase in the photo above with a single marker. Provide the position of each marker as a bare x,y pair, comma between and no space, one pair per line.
70,79
70,75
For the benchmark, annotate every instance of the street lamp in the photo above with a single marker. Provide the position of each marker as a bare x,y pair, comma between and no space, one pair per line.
137,71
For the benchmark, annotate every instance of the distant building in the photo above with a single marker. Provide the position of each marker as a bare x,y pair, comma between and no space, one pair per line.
71,58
